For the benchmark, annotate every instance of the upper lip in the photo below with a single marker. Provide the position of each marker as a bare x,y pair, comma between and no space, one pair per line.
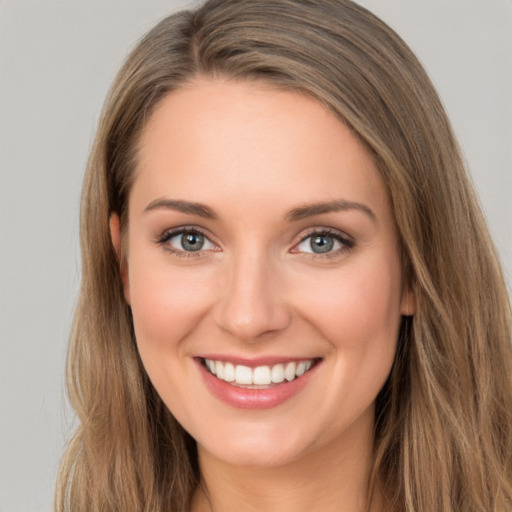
256,361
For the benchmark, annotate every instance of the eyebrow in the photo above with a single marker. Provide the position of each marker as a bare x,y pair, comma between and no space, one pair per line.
179,205
302,212
336,205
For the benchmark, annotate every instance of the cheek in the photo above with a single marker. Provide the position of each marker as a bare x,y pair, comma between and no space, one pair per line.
167,302
357,308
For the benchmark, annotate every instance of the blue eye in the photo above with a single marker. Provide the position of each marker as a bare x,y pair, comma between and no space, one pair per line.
186,241
191,241
323,242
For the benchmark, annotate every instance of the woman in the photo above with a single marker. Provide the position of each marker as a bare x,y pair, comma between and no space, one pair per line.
289,296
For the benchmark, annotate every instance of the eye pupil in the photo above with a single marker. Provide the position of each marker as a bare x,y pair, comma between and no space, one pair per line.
322,243
192,241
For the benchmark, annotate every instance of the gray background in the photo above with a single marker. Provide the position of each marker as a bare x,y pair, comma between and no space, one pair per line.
57,59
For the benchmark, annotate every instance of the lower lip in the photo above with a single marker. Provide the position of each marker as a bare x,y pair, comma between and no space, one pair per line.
245,398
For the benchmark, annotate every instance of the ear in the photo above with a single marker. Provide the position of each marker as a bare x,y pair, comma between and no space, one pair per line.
115,235
408,304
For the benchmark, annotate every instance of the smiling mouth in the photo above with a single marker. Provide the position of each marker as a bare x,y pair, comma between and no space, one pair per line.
260,377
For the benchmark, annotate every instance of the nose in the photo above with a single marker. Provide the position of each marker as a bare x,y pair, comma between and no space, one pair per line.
252,299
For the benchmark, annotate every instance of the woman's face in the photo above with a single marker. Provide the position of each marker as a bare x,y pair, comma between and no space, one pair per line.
261,247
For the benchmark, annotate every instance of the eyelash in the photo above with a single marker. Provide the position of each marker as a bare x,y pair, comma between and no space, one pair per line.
347,244
168,235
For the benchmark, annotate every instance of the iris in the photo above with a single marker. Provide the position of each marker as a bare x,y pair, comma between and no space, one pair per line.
192,241
322,243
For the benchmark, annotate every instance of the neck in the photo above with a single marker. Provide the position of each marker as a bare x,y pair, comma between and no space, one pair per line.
333,478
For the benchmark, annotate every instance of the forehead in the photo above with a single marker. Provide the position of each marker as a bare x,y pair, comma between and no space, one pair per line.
219,141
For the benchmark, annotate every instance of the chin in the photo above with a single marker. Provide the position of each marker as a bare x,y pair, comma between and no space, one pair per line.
254,450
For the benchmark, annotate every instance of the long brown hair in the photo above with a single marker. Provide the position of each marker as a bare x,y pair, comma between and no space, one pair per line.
443,438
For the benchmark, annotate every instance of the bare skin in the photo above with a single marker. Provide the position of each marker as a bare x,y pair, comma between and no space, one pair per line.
299,487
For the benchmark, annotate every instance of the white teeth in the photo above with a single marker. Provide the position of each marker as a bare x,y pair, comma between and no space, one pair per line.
301,369
243,374
289,371
277,373
229,372
219,370
259,376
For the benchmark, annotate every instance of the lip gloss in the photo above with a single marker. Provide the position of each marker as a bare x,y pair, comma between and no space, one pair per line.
248,398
